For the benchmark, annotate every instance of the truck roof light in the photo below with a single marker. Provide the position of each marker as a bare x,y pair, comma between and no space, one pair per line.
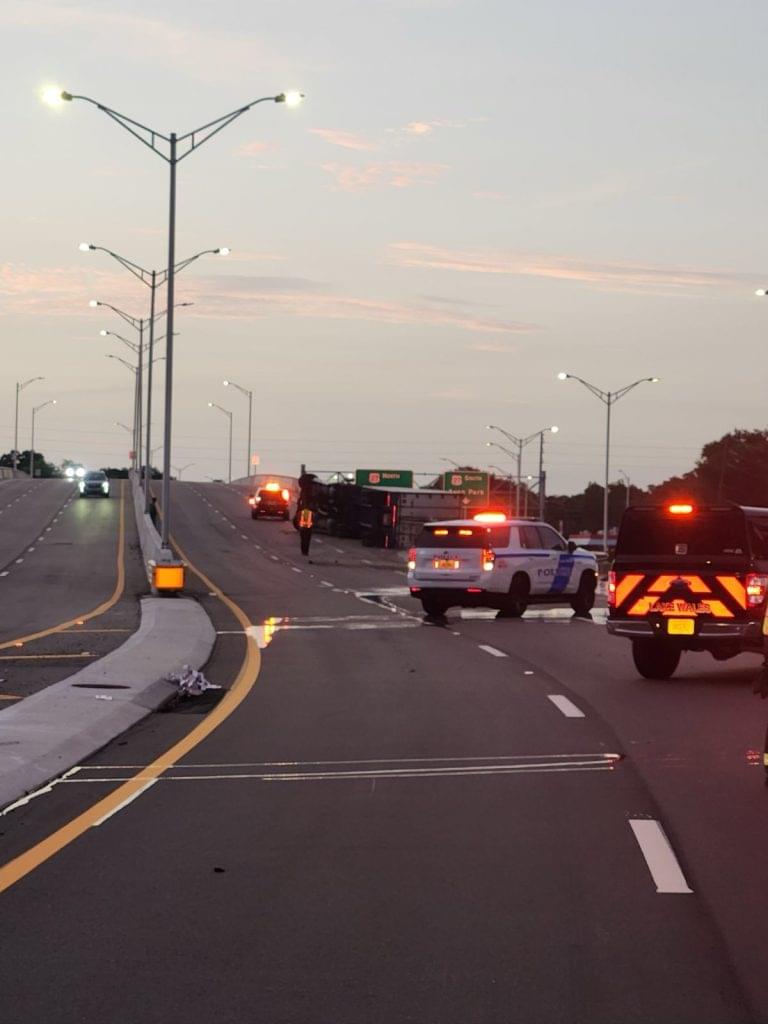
680,509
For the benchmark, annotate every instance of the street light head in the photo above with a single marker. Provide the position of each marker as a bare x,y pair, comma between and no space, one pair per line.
104,334
225,383
53,401
291,99
489,444
762,291
553,429
53,96
85,246
210,405
94,303
654,380
223,250
489,426
563,376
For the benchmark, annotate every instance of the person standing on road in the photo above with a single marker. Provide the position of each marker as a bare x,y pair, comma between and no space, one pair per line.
306,522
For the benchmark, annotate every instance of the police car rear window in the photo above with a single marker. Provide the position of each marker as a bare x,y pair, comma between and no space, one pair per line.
463,537
704,532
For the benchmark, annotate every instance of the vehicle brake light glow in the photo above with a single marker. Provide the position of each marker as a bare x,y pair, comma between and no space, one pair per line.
285,494
252,500
465,533
411,558
681,509
272,487
440,533
489,559
611,589
490,517
757,588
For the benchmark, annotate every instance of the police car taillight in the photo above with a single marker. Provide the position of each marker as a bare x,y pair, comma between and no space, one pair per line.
251,501
489,559
756,586
286,495
611,589
411,558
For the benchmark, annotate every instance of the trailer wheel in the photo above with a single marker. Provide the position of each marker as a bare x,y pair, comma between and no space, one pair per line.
655,659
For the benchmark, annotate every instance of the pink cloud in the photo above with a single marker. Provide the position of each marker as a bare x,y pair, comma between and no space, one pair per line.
66,292
256,148
622,276
347,140
388,174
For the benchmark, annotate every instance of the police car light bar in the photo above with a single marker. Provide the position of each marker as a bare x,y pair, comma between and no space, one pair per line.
490,517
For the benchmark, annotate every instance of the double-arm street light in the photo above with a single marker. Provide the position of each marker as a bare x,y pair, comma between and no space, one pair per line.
608,398
249,395
520,443
35,411
178,147
20,385
153,279
213,405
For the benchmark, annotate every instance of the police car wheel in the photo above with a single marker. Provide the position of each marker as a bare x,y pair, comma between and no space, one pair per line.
433,605
516,602
655,659
584,599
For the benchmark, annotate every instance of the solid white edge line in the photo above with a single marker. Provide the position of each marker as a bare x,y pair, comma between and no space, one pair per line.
659,856
492,650
125,803
567,707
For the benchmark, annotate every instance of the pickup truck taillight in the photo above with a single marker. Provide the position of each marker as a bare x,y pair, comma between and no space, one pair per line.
411,558
489,559
611,589
756,586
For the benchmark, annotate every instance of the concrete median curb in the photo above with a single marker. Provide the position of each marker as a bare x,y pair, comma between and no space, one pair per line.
53,730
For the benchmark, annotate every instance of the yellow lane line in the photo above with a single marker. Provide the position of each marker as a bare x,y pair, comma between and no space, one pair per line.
9,696
26,862
104,607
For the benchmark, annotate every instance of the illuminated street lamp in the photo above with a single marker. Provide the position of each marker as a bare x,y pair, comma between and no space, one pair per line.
213,405
520,443
37,408
20,385
157,142
249,395
608,398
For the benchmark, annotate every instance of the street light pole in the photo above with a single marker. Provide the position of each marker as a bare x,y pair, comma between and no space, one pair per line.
249,395
193,141
20,385
35,410
213,405
627,484
520,443
608,398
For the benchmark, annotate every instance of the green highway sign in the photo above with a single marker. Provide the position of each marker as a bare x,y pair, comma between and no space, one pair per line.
472,485
384,477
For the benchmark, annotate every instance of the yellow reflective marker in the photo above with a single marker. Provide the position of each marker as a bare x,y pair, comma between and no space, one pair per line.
168,576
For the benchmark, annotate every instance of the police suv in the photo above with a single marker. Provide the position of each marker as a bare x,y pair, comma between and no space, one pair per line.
494,562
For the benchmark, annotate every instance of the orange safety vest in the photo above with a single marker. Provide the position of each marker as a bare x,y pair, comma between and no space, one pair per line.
305,519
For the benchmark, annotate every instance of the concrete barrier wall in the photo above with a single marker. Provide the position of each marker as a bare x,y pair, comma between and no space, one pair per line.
149,538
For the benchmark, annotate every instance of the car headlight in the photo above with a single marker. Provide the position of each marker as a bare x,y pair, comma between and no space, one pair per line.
105,487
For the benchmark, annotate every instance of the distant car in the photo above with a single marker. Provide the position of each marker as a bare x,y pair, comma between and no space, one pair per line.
270,500
95,484
494,562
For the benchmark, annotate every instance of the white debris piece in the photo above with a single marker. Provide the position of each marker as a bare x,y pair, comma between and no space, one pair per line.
190,682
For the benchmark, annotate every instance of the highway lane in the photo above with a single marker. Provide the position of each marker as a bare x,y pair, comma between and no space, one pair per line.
84,558
26,509
372,835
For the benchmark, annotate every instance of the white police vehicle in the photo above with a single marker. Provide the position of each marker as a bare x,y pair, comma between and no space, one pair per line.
494,562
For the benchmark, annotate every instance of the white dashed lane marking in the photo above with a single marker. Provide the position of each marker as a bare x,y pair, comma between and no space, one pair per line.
492,650
659,856
567,707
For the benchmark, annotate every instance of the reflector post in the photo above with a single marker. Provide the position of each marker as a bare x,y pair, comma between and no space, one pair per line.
168,577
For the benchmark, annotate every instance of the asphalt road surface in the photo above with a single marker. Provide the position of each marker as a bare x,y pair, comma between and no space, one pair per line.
478,822
70,577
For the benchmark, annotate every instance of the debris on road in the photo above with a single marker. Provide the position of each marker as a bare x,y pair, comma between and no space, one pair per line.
190,682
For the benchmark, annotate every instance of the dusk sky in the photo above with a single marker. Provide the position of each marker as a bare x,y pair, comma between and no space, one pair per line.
474,196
